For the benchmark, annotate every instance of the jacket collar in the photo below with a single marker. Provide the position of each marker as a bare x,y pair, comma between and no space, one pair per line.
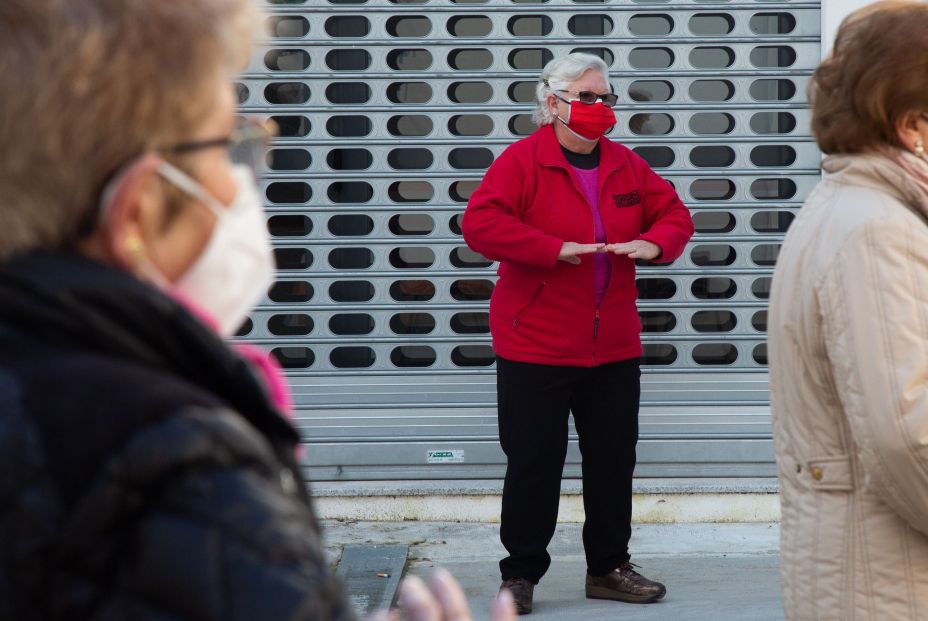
872,170
550,154
73,302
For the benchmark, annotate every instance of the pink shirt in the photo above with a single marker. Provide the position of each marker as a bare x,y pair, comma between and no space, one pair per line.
602,268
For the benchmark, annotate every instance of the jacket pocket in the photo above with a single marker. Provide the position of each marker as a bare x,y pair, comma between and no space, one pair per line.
833,473
535,295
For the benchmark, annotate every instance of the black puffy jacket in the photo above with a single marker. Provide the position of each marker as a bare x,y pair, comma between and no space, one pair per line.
143,472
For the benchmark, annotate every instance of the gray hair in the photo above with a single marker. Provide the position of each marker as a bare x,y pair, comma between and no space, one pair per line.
557,75
112,88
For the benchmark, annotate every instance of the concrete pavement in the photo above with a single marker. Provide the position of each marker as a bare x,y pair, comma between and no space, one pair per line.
718,572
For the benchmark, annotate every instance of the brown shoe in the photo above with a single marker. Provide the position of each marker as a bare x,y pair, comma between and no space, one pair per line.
625,585
522,591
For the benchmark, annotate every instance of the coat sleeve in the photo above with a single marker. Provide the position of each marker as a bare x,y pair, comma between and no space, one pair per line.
493,223
238,552
221,536
666,220
874,301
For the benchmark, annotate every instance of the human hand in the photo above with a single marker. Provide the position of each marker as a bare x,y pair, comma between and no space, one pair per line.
636,249
444,600
570,251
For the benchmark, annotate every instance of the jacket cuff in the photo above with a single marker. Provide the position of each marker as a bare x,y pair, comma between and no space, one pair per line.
552,251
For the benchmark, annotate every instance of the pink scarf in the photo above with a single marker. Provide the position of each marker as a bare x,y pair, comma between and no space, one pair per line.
915,167
262,362
267,367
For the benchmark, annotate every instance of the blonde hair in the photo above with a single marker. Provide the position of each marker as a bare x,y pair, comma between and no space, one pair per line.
877,72
557,75
89,84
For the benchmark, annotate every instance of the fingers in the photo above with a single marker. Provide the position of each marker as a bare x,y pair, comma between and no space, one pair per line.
417,602
442,600
450,596
622,249
635,249
587,248
503,607
570,250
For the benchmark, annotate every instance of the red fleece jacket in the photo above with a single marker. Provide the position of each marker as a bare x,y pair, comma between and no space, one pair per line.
529,203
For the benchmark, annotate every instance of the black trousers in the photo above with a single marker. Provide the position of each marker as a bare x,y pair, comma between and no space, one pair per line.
534,403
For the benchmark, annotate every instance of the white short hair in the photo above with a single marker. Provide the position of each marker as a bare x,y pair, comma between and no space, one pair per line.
557,75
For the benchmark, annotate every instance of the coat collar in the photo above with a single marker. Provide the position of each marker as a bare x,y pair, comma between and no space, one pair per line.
75,303
872,170
611,158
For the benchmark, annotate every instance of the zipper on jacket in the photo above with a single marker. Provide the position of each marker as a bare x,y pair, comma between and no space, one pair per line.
596,325
515,320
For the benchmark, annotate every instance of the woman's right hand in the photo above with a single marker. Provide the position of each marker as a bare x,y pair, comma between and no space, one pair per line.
571,251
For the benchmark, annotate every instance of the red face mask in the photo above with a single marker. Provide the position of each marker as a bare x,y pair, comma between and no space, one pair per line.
589,121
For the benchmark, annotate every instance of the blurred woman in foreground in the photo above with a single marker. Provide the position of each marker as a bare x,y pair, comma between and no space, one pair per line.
146,470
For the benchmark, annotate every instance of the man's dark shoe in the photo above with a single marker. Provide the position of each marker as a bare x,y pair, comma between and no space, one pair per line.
625,585
522,591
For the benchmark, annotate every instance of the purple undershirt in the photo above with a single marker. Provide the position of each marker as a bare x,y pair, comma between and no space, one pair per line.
602,268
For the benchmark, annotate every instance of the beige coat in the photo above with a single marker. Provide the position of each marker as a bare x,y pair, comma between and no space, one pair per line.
848,332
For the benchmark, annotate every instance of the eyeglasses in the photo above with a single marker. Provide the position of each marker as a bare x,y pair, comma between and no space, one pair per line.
247,144
589,97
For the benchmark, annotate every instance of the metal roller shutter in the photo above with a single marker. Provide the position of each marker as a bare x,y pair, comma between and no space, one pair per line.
390,111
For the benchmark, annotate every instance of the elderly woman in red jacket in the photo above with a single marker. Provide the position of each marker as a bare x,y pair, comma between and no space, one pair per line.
566,212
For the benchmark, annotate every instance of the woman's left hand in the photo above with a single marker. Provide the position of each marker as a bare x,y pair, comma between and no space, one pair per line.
442,599
636,249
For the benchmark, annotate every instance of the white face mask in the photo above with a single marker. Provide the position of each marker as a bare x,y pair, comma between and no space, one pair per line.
237,266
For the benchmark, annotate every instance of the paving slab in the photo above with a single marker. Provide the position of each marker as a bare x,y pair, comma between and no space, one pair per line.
371,574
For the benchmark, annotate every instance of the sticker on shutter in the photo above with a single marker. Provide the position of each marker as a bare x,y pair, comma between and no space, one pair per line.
445,456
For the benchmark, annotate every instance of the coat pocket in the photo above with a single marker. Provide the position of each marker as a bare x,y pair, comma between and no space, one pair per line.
833,473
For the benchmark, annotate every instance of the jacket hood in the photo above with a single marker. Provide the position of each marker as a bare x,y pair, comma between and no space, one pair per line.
875,171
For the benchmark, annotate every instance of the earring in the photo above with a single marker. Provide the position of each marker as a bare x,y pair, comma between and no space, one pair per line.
919,148
136,250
